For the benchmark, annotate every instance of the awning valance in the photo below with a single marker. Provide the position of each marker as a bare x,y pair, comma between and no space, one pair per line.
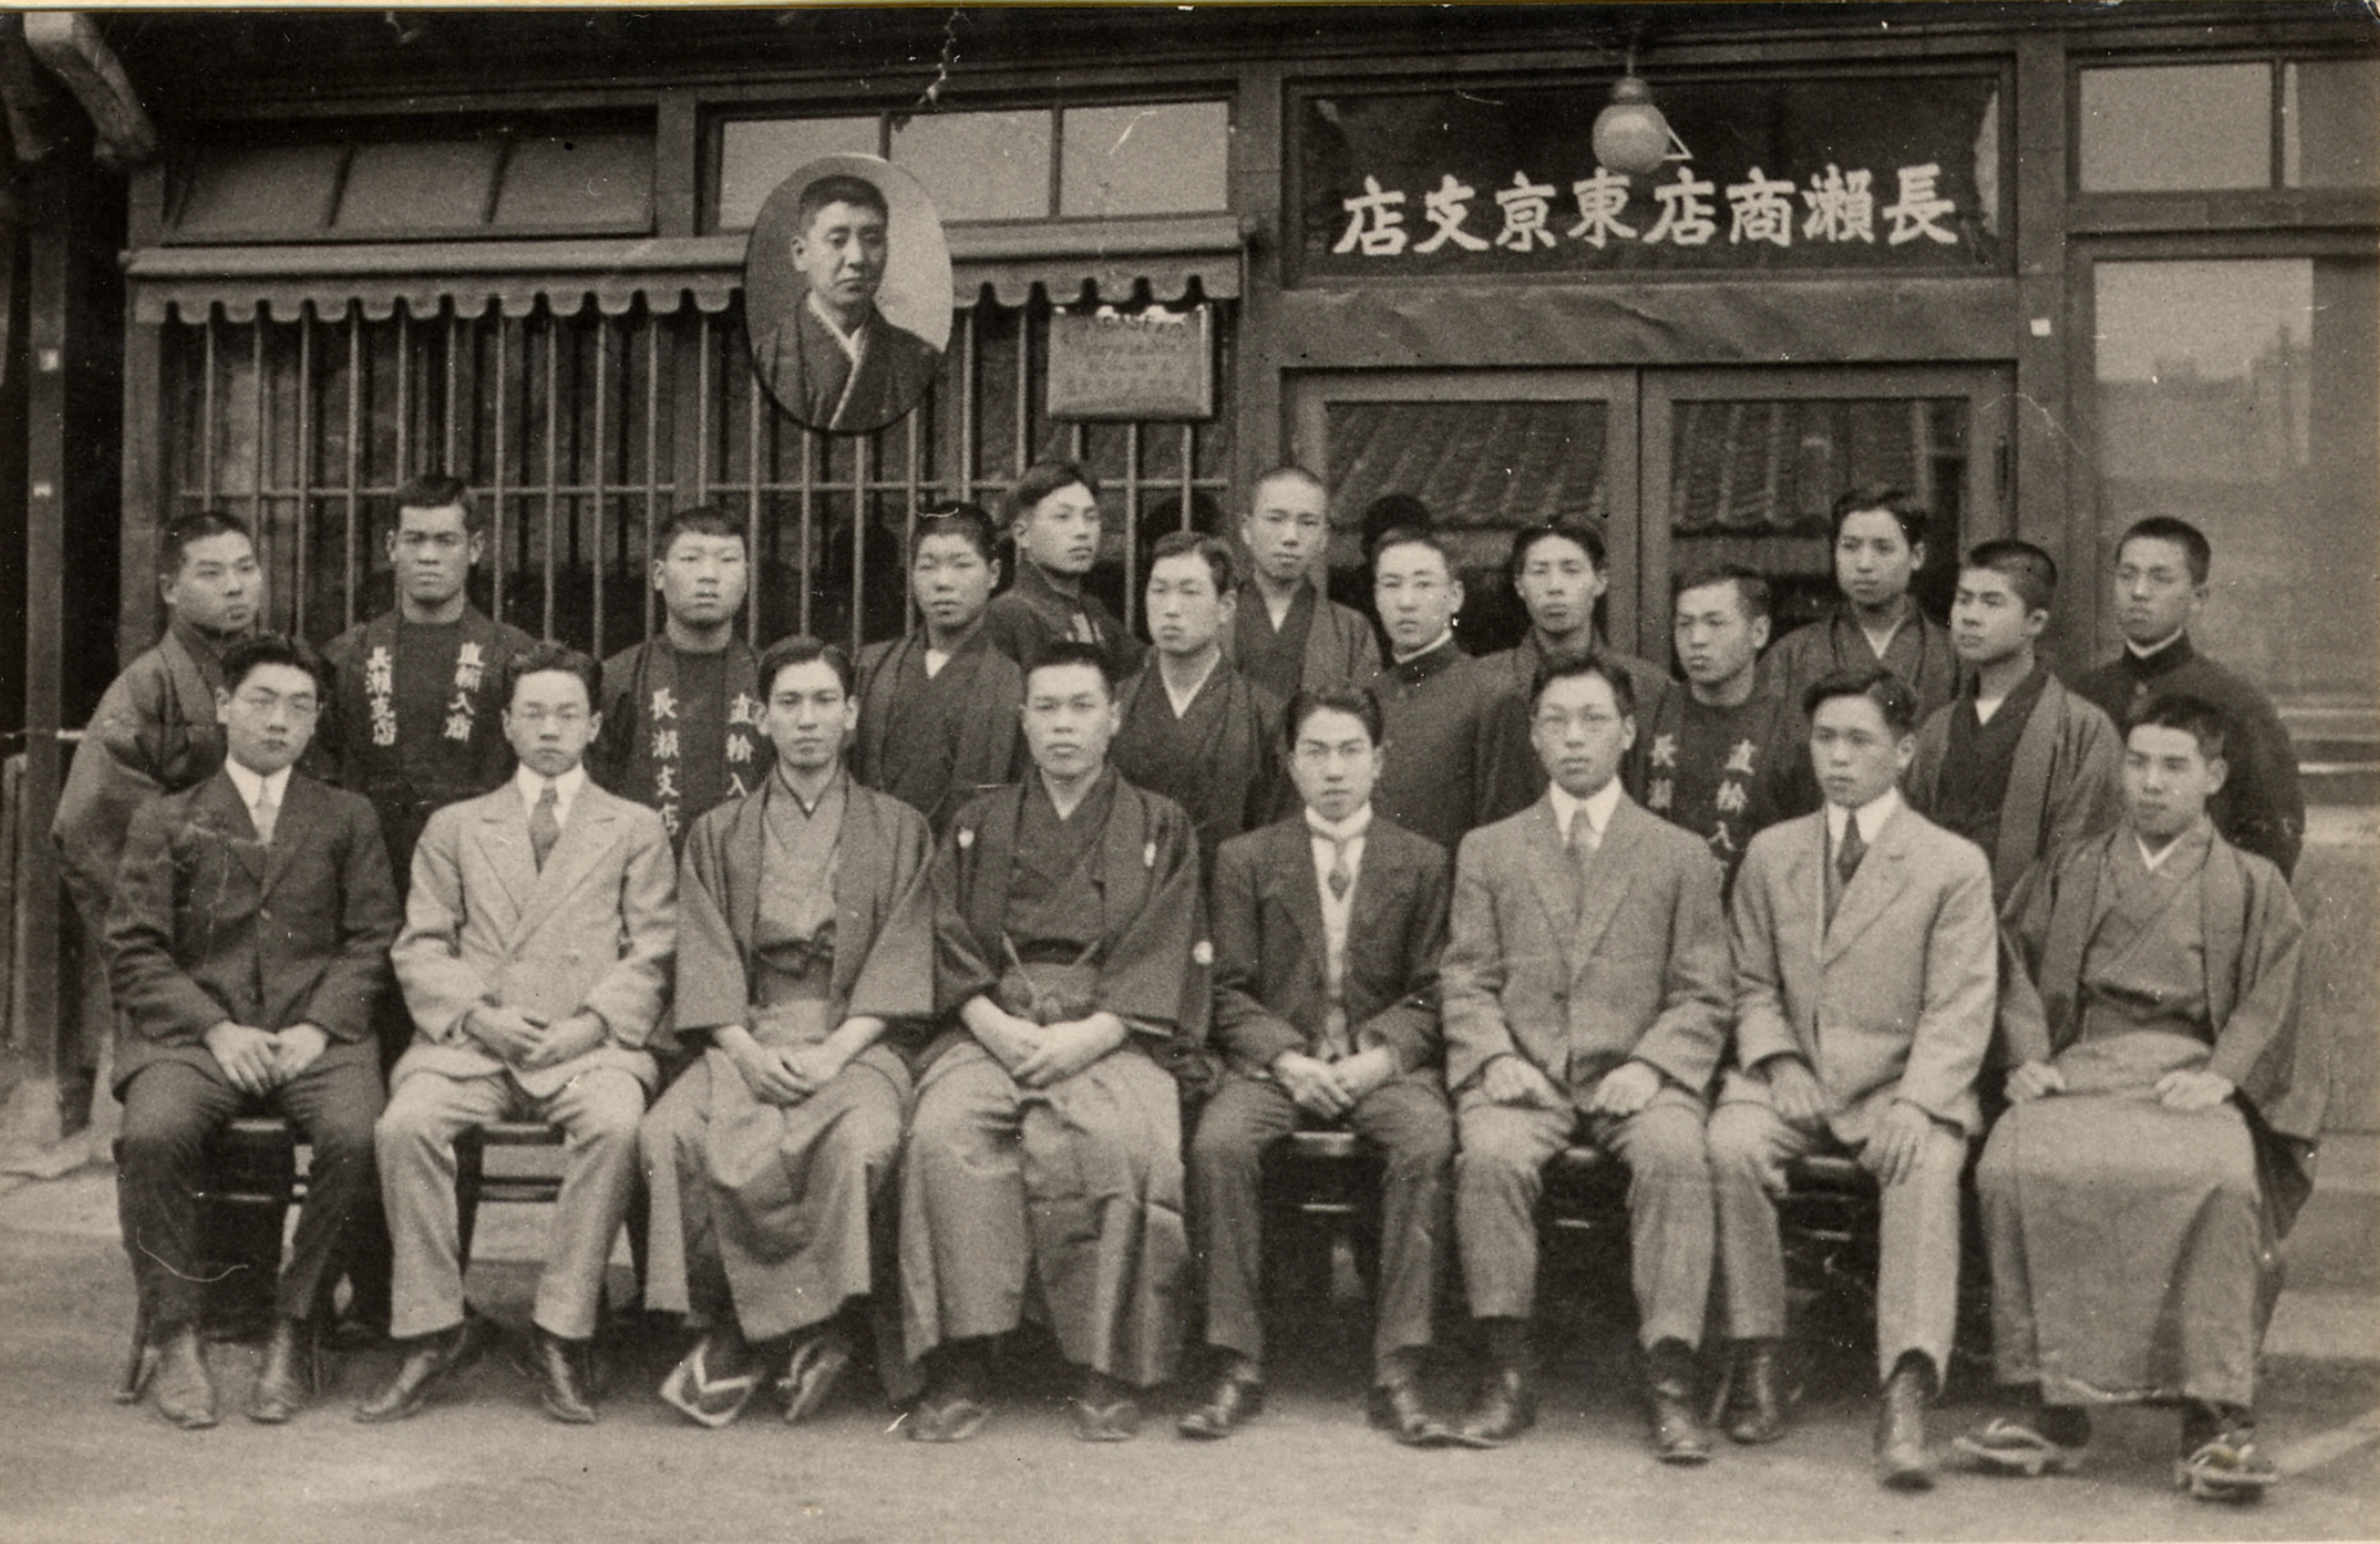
1113,260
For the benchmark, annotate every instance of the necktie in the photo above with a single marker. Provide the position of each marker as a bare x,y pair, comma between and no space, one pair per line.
266,815
1341,878
1848,853
544,830
1582,843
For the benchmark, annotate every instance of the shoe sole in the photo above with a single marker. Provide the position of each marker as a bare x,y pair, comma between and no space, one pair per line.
811,1380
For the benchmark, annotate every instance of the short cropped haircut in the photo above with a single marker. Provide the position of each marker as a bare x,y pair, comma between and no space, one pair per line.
550,655
955,517
1217,553
1060,652
1359,702
702,520
801,649
1889,692
1572,666
2031,571
2201,719
2196,549
1040,480
174,541
1286,472
270,648
1410,536
1751,590
1391,512
434,490
1585,538
838,188
1906,511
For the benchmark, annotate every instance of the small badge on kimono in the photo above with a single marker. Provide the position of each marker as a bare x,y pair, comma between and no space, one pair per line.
967,837
1148,856
1203,952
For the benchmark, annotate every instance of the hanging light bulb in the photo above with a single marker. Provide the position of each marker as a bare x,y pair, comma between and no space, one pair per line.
1630,136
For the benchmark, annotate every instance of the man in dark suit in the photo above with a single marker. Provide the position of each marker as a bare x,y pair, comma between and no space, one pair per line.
1586,988
1327,930
247,943
837,363
1866,953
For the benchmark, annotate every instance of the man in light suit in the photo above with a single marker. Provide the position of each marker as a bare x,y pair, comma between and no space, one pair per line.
536,950
1327,928
1586,999
1865,952
248,944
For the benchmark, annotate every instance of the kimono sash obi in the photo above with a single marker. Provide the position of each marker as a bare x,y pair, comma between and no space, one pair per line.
1049,991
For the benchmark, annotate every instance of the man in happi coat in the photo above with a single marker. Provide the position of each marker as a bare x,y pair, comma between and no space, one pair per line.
804,949
1727,756
2162,567
2166,1103
935,724
1046,1144
1455,752
1194,728
1559,573
1287,632
1880,545
1054,519
682,712
154,731
418,691
2017,763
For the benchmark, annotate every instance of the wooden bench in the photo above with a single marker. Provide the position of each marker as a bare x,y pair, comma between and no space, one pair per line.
474,1184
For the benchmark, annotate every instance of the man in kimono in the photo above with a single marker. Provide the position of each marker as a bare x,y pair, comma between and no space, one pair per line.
1880,545
1054,519
1559,573
1287,634
1327,928
2167,1100
1046,1143
838,362
934,726
1586,992
535,955
1866,953
418,692
805,948
1727,757
2017,763
154,731
1194,729
247,943
2162,567
682,712
1453,750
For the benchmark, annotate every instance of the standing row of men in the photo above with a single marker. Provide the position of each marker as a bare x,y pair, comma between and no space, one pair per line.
1001,1029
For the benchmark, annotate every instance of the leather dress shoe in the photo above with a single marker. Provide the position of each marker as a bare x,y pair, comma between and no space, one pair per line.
1398,1409
561,1367
1678,1434
186,1390
1758,1395
1902,1461
429,1358
287,1378
1235,1397
1506,1407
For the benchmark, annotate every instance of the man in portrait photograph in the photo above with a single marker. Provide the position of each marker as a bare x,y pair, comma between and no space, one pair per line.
832,359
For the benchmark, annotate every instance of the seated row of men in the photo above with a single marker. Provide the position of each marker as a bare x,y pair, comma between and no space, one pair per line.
998,1031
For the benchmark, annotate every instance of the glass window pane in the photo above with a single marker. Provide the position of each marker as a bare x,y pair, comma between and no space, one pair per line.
754,155
1168,159
2241,396
2177,128
980,165
2330,123
578,180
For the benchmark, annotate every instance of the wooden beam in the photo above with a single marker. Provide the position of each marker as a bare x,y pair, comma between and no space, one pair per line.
68,43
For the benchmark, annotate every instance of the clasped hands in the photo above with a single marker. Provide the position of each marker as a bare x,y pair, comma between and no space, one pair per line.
1329,1089
258,1061
518,1040
1039,1055
781,1076
1512,1078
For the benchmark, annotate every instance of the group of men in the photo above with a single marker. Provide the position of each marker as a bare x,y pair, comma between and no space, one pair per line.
932,958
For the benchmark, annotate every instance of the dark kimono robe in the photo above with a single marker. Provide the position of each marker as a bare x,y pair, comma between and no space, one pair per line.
1219,761
681,732
936,742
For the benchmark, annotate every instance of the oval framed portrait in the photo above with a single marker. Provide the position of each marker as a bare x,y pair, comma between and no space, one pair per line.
847,293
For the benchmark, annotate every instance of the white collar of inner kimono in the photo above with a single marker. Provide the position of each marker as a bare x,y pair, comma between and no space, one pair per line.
531,786
849,341
1598,806
1872,816
2155,860
2150,651
255,787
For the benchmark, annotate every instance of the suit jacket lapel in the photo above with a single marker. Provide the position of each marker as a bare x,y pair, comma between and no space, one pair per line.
1551,874
1882,875
227,813
504,836
1611,873
301,808
1289,864
586,837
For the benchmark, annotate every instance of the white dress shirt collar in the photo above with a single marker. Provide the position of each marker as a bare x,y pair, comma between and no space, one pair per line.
1872,816
1355,826
531,786
1598,806
255,788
